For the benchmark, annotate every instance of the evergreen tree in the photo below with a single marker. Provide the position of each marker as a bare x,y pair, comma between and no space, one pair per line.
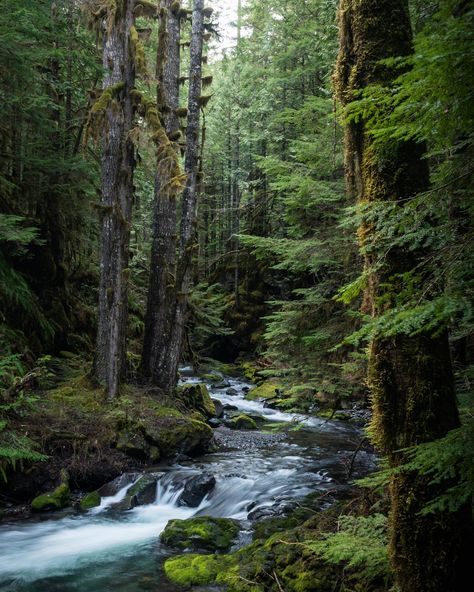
115,109
410,374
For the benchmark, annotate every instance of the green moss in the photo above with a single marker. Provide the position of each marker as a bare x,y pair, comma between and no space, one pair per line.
249,369
196,397
91,500
242,422
78,393
267,390
197,570
54,500
203,532
139,51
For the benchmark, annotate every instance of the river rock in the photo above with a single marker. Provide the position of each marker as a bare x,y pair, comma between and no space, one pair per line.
144,490
53,500
114,486
196,490
90,500
214,422
232,392
219,407
228,407
201,533
196,397
242,422
223,384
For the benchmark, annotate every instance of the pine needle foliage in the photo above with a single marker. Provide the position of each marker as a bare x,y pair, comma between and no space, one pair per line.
360,544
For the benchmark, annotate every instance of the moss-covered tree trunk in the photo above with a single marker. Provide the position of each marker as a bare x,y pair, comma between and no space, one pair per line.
188,236
117,194
162,283
410,377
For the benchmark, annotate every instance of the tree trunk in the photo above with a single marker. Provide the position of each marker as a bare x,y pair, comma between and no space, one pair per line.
117,193
162,283
184,275
410,378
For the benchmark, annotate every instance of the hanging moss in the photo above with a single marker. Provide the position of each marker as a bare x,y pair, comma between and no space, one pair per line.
138,52
204,100
167,159
182,112
183,13
96,119
161,57
146,9
175,7
175,136
207,80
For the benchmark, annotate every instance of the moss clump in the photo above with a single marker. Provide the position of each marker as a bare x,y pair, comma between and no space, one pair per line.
91,500
138,51
242,422
196,397
201,533
197,570
53,500
249,369
267,390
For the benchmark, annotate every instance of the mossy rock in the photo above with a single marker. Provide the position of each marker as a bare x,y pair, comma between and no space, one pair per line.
269,389
177,434
196,397
198,570
91,500
53,500
249,369
242,422
201,533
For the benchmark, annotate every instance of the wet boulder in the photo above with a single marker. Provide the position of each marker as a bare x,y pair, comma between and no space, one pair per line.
222,384
228,407
219,407
196,397
201,533
54,500
90,500
232,392
196,490
114,486
242,422
144,490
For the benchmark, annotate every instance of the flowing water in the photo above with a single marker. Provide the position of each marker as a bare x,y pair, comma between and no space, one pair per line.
109,550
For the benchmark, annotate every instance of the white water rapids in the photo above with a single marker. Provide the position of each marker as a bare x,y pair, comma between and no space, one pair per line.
106,549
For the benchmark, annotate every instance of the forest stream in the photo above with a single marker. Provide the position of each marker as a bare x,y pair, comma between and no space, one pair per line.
109,549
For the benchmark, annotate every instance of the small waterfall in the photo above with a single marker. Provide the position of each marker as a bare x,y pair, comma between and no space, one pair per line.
109,545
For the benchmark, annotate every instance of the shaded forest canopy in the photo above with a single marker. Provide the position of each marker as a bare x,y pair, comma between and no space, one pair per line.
299,204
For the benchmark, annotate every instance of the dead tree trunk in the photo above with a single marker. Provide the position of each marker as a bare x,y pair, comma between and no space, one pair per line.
117,191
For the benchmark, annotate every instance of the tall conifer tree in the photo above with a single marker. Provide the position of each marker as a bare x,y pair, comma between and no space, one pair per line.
410,376
117,114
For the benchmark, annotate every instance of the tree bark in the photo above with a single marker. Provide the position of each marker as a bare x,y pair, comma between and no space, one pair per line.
162,283
117,193
410,378
187,246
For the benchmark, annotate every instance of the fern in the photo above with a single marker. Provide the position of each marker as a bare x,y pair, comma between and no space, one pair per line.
360,544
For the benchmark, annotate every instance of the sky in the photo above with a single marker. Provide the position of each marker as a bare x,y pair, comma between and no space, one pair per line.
226,15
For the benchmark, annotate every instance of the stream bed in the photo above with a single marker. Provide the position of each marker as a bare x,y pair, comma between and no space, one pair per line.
256,474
